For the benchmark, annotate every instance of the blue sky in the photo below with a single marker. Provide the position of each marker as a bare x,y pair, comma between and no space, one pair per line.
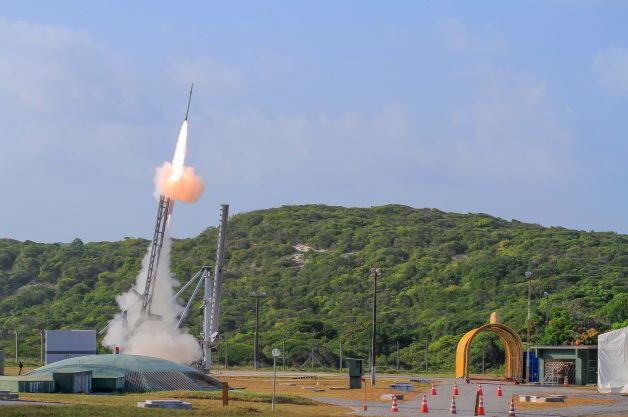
516,110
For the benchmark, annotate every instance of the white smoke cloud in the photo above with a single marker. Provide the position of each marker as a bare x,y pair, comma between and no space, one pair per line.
158,338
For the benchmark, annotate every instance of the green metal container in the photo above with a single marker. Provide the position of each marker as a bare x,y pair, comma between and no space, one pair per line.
356,371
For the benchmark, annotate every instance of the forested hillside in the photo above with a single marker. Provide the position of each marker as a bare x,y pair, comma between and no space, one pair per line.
442,274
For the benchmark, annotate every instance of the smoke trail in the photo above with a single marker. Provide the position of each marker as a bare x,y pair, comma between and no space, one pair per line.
159,338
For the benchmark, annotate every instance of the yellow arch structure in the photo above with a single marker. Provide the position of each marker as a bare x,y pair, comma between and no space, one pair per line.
512,345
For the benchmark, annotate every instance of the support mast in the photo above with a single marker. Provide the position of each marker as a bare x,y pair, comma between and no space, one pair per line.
211,316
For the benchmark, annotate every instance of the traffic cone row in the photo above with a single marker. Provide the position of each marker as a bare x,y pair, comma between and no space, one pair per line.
452,408
511,410
433,389
394,407
424,404
481,406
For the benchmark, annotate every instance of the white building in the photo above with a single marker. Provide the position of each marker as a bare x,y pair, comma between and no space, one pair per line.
64,344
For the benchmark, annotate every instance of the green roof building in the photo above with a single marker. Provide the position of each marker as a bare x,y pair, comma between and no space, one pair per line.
124,373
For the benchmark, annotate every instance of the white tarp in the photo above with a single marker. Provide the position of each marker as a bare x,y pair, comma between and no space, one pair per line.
612,361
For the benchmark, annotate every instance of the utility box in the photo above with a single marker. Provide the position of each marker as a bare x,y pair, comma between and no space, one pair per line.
1,362
356,372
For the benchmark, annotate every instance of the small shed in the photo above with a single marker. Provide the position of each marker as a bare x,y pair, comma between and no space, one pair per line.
577,363
73,380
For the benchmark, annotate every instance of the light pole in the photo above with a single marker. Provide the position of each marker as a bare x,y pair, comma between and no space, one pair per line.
397,356
375,272
545,295
257,295
41,346
276,352
528,275
340,361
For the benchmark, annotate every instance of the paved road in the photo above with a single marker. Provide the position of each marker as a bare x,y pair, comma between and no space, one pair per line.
2,403
494,406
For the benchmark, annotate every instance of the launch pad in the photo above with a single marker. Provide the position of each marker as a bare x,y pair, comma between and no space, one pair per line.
174,181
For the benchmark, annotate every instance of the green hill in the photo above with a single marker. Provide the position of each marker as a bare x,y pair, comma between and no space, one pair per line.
443,273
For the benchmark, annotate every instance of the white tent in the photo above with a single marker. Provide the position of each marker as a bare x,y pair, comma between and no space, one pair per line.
612,361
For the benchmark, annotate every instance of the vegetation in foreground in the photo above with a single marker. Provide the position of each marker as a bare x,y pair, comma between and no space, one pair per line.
443,273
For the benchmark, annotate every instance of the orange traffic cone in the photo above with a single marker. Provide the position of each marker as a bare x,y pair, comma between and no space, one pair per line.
394,407
499,390
424,404
452,408
480,391
433,389
481,406
511,410
456,389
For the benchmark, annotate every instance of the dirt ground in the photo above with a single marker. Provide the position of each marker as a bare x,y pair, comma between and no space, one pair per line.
14,370
322,387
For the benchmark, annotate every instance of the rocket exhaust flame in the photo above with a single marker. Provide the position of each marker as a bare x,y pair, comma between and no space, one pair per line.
178,160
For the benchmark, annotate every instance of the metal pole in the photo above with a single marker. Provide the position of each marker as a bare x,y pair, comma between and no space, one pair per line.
312,357
528,275
257,295
256,347
397,356
375,272
340,362
274,379
226,355
426,349
208,338
41,347
283,354
16,355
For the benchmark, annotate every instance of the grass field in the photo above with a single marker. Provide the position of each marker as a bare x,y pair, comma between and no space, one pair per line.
292,400
204,403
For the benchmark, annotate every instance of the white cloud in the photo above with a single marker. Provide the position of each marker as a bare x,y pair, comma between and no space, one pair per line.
510,129
44,67
511,135
456,36
611,66
253,146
